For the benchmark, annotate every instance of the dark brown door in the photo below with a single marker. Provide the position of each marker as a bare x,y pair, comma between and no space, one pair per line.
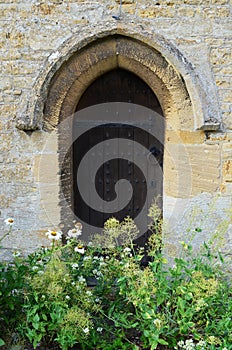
130,164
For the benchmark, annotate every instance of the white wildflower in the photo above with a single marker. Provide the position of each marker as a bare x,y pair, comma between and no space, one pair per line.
181,343
9,221
127,250
200,304
54,235
99,329
201,344
80,249
15,291
189,344
158,323
81,279
75,266
16,253
86,330
87,258
74,233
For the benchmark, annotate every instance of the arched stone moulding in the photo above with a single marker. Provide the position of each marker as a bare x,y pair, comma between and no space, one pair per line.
87,55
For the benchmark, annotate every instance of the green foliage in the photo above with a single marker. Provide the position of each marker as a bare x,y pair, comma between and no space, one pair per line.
12,285
100,297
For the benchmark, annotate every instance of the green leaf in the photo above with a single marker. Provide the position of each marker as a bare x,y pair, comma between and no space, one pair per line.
146,333
2,342
36,318
147,316
37,340
162,341
134,325
35,325
221,257
181,304
154,345
44,317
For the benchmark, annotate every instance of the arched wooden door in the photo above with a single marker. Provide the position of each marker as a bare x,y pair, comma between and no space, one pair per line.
117,86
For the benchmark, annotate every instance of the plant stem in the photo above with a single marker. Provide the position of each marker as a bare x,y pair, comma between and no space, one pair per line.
5,235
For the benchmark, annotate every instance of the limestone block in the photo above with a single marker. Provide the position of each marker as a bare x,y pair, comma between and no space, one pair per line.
225,95
26,240
227,119
215,12
46,168
20,83
49,212
43,8
227,171
126,1
186,11
223,70
220,2
223,81
191,169
189,137
147,13
226,107
5,83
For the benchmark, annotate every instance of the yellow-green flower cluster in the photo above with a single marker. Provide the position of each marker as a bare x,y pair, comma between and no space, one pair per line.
202,287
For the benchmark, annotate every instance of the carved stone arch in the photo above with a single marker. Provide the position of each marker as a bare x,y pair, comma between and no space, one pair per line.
144,53
109,53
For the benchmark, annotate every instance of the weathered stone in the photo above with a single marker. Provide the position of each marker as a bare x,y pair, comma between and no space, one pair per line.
227,171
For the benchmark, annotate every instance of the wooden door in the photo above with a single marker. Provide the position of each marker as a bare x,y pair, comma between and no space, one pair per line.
117,86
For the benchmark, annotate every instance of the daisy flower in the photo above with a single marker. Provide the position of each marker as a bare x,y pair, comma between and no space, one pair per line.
74,233
80,249
54,235
9,221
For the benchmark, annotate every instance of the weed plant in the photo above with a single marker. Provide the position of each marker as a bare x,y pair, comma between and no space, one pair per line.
102,297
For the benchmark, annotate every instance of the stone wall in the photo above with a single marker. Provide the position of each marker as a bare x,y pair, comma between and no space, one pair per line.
194,36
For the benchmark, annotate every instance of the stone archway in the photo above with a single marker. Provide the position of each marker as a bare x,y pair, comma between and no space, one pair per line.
116,51
82,60
31,115
85,66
